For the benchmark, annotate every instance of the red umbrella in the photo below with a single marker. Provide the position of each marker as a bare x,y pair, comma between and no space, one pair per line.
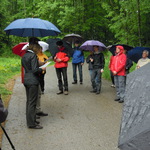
18,49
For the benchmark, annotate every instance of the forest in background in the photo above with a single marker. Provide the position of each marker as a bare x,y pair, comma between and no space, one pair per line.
109,21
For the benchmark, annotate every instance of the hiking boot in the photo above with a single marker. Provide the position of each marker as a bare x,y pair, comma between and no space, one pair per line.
98,92
36,127
121,101
93,91
41,114
116,99
75,82
60,92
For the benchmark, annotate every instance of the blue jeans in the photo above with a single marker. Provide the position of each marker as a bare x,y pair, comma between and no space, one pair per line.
96,79
120,86
90,72
74,66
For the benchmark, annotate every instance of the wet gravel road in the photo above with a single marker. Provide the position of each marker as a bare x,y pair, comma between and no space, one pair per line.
78,121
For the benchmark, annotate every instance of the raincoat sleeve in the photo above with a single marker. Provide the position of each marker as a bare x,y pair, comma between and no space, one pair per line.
110,62
65,58
88,59
35,65
82,57
103,60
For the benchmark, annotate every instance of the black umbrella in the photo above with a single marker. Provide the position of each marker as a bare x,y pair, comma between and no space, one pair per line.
71,38
135,125
136,53
54,49
112,48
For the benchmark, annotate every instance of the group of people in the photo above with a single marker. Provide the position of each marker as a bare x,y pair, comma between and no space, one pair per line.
33,78
34,72
119,68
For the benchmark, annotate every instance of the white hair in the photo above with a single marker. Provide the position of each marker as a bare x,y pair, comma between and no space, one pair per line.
146,51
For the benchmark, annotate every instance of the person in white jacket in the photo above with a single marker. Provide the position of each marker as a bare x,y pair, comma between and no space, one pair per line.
144,60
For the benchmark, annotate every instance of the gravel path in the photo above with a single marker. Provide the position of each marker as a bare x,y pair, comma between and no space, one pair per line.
78,121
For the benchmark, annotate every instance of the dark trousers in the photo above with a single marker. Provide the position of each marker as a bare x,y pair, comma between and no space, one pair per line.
62,72
42,82
32,96
96,79
74,66
112,78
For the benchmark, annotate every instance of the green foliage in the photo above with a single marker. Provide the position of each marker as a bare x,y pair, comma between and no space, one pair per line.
128,21
106,73
8,68
109,21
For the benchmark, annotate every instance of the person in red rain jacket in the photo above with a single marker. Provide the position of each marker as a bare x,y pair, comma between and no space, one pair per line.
61,63
118,66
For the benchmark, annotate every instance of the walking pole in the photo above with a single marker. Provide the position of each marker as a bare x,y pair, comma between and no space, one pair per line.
7,137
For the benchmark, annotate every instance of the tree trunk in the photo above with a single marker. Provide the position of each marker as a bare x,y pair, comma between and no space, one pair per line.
139,21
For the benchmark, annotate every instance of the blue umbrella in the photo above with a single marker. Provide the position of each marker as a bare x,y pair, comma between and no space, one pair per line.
88,45
31,27
136,53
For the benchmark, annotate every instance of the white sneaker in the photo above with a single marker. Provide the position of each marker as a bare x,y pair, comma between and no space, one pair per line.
113,85
65,92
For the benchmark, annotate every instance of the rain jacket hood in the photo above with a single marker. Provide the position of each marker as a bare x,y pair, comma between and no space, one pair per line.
121,49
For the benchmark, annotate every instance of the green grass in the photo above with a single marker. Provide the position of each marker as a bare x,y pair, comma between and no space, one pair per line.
9,67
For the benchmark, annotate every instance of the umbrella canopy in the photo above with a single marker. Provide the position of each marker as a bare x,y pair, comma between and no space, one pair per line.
54,49
71,38
31,27
112,48
88,45
136,53
43,44
17,49
135,125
